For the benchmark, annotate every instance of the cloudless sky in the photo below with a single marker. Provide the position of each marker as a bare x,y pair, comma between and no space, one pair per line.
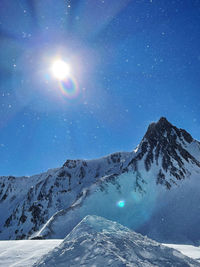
132,61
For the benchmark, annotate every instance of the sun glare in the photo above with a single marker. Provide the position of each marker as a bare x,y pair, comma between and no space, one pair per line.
60,69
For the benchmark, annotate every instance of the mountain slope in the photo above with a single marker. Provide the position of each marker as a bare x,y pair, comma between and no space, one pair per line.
26,203
161,164
96,241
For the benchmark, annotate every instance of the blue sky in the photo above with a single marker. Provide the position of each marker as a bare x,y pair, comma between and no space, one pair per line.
131,63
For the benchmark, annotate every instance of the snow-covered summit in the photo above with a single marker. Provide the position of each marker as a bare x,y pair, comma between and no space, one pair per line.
98,242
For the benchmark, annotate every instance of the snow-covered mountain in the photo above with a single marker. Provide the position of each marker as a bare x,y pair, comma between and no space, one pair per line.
96,241
152,182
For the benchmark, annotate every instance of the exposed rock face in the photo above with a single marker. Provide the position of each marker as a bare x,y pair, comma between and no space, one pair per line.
167,146
27,203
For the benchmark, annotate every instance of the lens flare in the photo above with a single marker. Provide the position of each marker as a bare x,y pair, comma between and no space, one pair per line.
69,87
121,203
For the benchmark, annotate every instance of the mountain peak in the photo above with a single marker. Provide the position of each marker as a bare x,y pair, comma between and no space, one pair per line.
160,126
163,120
163,129
168,148
163,124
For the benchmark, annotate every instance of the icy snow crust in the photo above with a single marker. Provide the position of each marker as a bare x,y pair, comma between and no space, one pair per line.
98,242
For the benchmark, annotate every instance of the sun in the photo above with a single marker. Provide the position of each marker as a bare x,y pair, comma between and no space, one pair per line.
60,69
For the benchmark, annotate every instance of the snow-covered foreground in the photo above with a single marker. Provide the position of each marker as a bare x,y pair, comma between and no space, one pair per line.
188,250
98,242
26,252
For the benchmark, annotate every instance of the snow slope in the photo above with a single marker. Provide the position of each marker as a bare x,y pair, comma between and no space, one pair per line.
23,253
96,241
188,250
